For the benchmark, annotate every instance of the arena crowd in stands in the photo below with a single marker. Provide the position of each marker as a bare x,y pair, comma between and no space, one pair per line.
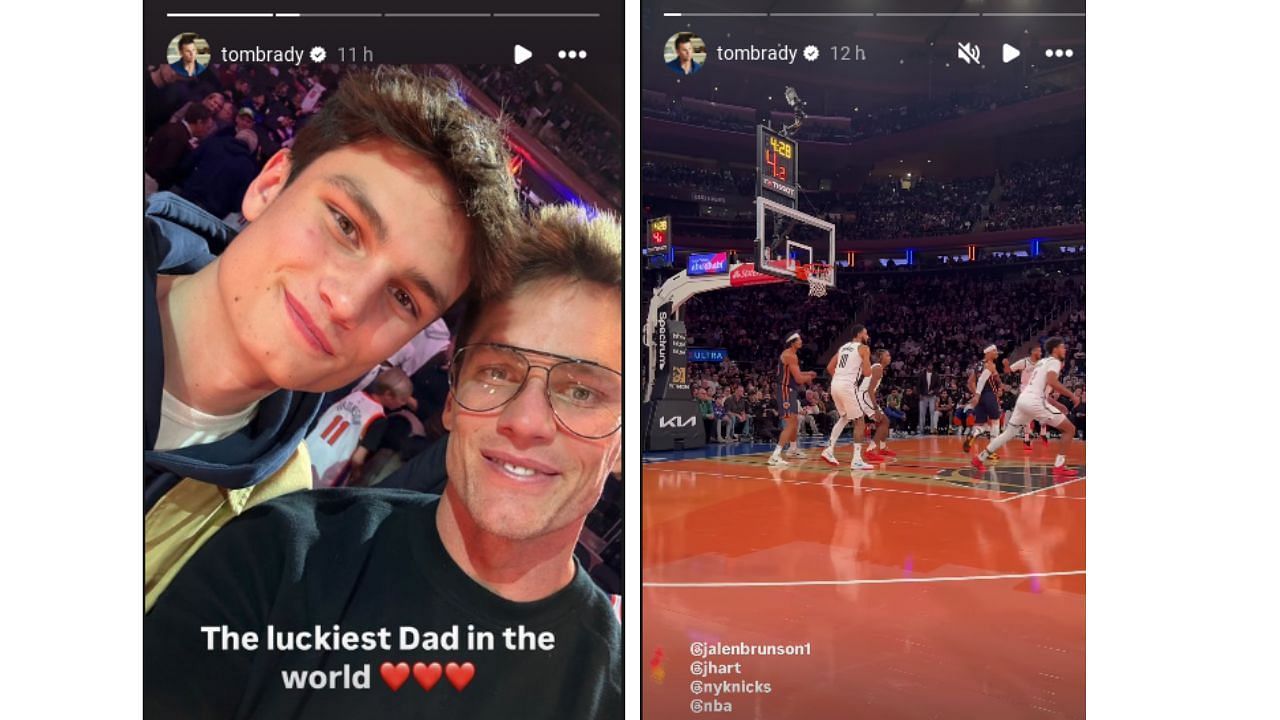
536,97
208,136
1043,193
868,121
937,319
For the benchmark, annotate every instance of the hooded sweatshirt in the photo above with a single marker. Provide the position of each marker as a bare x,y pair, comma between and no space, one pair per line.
190,493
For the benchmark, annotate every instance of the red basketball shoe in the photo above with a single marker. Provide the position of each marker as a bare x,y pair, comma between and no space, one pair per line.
1062,472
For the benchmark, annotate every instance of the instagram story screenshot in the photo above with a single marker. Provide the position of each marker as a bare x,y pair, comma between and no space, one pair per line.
863,371
382,360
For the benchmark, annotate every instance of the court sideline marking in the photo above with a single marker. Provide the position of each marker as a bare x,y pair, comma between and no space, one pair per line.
824,483
1047,487
859,581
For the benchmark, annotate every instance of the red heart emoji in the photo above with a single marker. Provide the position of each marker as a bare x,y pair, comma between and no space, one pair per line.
394,675
460,676
427,675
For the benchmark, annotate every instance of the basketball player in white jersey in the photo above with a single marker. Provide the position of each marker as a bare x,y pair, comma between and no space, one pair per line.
878,447
1026,366
1034,404
790,380
847,368
337,455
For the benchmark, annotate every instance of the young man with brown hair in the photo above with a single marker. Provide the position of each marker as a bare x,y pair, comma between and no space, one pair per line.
392,199
534,413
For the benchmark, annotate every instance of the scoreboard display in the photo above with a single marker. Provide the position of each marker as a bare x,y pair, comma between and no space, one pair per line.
776,159
659,235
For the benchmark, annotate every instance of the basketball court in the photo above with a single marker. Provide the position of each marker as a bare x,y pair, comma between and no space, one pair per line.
924,589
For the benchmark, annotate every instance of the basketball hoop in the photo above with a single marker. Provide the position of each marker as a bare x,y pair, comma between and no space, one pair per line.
819,276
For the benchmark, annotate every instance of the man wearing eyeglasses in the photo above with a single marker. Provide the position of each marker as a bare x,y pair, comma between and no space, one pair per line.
534,413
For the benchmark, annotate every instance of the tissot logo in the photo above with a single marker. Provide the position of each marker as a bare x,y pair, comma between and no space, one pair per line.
677,422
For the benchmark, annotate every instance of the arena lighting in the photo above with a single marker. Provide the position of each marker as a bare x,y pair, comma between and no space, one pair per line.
797,108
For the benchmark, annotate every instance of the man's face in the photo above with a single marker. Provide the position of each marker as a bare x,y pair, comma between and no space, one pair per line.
244,122
684,51
339,270
569,470
864,337
214,101
204,128
1060,352
188,52
1035,354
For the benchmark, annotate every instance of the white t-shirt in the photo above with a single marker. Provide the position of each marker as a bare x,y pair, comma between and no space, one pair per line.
183,426
848,364
1036,388
337,435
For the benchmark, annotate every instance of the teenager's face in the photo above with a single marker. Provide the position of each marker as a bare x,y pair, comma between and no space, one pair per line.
340,269
569,470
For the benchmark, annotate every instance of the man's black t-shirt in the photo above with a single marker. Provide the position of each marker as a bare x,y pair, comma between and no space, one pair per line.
363,560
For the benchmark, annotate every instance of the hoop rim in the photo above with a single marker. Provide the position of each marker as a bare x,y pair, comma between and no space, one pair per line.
823,271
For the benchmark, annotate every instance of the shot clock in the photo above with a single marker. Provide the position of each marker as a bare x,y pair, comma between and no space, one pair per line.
776,158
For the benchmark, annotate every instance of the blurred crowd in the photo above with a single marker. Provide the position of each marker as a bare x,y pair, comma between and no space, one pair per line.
208,136
867,121
540,99
1042,193
933,320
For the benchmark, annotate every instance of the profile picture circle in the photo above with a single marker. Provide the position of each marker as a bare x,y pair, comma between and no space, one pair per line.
189,54
685,53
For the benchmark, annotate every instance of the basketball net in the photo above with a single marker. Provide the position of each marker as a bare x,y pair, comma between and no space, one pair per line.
819,277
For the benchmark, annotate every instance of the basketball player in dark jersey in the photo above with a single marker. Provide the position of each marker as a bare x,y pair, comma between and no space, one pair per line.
790,380
984,383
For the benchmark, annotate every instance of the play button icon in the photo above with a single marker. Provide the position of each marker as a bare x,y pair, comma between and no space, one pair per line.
522,53
1010,52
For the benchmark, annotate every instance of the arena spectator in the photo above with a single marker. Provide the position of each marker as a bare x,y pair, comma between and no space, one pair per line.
344,437
809,412
163,93
221,170
164,156
735,416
